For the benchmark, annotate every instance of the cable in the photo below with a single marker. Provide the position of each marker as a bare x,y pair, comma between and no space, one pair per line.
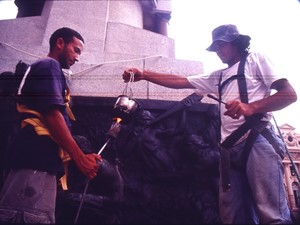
287,151
19,50
93,67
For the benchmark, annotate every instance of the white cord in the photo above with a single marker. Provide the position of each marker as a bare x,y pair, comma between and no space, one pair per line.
131,79
93,67
17,49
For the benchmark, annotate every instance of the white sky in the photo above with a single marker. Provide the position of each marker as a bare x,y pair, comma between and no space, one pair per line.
274,26
8,9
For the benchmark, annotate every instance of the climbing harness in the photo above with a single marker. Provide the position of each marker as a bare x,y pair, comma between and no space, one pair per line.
253,124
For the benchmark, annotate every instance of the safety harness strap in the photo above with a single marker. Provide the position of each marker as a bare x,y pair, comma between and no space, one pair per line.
240,131
67,103
252,123
249,124
41,129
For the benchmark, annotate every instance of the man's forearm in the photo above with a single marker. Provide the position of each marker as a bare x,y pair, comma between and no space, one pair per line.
166,80
61,133
274,102
284,96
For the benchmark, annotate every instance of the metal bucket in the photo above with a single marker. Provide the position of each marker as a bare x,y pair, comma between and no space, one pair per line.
125,107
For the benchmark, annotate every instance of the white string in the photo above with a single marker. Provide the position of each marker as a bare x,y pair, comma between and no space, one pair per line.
119,61
8,45
131,79
93,67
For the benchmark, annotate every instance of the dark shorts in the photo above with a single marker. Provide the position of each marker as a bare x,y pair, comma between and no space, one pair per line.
28,196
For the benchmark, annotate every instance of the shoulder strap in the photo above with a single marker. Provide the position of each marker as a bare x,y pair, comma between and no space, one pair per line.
23,80
242,80
250,121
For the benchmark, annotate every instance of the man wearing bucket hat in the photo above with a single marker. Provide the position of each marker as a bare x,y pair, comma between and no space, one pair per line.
251,170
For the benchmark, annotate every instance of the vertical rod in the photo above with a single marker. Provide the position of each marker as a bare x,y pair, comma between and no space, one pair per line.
287,151
86,186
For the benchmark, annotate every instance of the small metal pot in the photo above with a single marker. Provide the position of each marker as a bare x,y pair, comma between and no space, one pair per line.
125,106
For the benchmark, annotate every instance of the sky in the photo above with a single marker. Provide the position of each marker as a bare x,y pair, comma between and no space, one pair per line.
8,10
274,27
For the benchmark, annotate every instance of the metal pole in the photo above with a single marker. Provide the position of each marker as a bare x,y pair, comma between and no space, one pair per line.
81,201
103,146
87,184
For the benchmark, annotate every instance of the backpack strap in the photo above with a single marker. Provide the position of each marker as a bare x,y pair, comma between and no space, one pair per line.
23,80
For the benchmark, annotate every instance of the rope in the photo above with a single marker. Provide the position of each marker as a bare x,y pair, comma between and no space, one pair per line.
93,67
287,151
119,61
131,79
19,50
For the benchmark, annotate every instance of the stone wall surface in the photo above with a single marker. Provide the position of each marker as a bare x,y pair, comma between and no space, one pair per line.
168,169
114,40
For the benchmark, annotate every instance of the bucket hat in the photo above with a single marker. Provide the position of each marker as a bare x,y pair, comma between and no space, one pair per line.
227,33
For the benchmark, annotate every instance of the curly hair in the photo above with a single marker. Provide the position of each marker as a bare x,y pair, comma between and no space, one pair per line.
66,34
242,43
